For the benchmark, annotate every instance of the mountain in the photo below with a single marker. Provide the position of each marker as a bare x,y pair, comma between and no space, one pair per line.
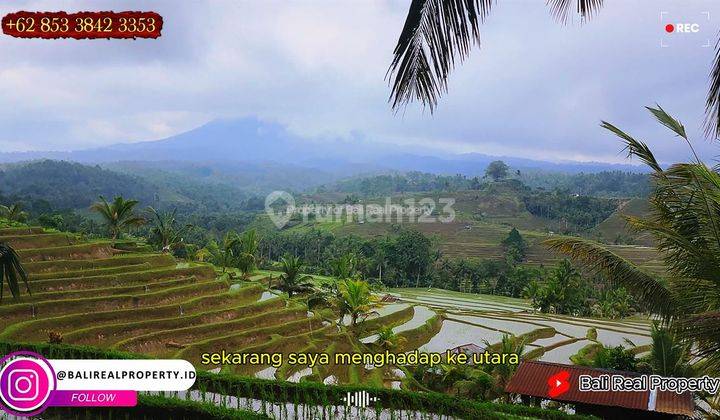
254,143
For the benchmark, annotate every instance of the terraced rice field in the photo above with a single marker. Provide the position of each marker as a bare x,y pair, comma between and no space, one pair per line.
95,295
483,319
483,240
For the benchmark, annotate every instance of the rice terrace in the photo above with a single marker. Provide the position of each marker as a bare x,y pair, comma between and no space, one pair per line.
122,297
90,293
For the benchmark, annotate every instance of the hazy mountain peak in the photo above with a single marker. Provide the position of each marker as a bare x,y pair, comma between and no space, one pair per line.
250,140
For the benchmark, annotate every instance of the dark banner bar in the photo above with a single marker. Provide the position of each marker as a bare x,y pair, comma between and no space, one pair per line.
82,25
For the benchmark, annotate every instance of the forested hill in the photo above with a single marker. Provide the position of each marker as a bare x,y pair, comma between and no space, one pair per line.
47,185
66,185
599,184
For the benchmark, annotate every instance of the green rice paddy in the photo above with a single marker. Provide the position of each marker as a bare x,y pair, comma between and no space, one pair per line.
483,319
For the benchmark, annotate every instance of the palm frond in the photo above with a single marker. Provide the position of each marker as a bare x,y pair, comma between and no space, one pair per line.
694,295
712,102
634,147
562,10
685,220
436,34
668,121
687,256
619,271
102,207
702,329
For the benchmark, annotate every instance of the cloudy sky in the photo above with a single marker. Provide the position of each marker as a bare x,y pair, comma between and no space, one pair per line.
534,89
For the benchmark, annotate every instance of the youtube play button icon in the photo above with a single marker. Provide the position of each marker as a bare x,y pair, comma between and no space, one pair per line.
558,384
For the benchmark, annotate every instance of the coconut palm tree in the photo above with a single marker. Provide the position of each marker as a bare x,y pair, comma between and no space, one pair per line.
11,271
247,252
13,212
684,221
356,300
119,215
166,233
292,280
343,267
502,372
223,254
437,34
669,355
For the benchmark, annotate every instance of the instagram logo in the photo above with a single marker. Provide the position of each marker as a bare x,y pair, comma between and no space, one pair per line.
26,383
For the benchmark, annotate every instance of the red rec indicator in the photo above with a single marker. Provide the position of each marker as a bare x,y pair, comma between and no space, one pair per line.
82,25
669,28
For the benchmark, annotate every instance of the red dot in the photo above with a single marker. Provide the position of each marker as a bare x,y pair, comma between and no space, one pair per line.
669,27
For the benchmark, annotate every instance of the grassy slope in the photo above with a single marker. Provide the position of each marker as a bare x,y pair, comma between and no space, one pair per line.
615,227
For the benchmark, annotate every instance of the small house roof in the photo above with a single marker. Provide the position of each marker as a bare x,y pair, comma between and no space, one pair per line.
531,379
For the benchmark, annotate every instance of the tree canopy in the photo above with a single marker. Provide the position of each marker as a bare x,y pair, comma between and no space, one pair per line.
497,170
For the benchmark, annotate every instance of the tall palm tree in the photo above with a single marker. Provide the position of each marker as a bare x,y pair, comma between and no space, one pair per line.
684,220
166,233
247,252
13,212
11,271
223,254
292,280
119,215
437,34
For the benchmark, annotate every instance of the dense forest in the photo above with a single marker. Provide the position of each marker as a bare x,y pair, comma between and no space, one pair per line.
577,210
68,185
612,184
408,258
